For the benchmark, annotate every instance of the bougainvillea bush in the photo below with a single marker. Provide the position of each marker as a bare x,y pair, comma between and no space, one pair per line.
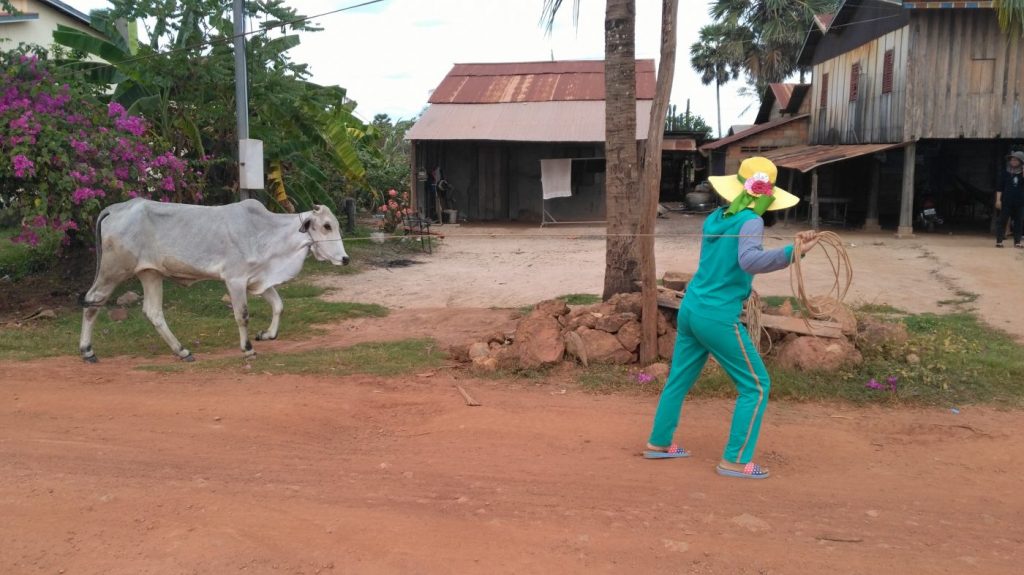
64,155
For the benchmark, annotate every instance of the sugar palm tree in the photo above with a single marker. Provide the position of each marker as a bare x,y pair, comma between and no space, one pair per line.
718,57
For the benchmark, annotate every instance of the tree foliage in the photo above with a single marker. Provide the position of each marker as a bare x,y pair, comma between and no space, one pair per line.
182,80
64,154
768,33
686,122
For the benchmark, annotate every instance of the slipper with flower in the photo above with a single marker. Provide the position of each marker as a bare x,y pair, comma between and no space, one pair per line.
749,471
671,452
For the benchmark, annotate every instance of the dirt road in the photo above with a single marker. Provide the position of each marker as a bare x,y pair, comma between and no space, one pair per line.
106,469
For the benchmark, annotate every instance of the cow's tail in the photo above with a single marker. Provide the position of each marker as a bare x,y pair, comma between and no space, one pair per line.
99,250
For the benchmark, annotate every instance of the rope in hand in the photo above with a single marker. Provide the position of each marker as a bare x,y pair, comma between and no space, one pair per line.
823,306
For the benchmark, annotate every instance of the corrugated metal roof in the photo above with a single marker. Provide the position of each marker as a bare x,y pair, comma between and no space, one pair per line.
751,131
558,81
806,158
782,92
521,122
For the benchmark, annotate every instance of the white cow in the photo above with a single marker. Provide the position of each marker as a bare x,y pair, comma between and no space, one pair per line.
246,246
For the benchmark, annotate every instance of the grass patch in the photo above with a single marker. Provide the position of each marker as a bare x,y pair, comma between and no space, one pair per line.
580,298
196,315
19,260
383,359
880,309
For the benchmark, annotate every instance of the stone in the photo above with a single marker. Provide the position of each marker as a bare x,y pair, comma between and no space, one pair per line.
479,350
128,298
485,364
552,307
786,309
809,353
659,371
612,323
459,352
629,335
913,359
117,314
587,320
538,340
575,348
603,347
873,333
498,337
676,280
506,357
628,303
226,299
667,343
666,320
838,313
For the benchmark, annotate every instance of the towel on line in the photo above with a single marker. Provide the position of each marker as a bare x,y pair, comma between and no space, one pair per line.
556,178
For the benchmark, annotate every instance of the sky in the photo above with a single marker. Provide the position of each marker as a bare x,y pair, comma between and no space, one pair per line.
391,55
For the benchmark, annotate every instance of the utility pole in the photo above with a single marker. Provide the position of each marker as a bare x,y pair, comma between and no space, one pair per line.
250,152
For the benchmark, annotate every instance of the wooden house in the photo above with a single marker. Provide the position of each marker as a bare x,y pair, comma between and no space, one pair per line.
35,21
489,126
912,104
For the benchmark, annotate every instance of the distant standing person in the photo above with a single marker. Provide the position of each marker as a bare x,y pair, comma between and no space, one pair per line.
1010,199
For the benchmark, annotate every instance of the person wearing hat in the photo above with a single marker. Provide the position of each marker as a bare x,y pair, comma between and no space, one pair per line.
1010,199
709,315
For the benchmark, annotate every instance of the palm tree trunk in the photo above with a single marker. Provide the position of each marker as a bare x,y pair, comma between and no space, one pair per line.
651,166
622,209
718,104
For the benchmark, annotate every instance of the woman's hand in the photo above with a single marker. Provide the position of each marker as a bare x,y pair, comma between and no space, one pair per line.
805,240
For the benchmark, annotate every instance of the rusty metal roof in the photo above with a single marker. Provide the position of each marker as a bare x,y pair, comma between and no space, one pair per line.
757,129
807,158
521,122
558,81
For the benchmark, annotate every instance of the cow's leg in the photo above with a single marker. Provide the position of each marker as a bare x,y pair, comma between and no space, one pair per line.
239,294
276,305
93,301
153,307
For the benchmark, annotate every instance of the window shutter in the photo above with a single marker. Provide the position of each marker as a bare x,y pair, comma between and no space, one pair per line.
890,57
824,90
854,81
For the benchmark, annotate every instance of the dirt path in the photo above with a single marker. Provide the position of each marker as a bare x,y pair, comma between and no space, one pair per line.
116,471
510,266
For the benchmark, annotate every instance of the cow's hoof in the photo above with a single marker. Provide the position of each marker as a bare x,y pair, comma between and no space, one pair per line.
189,358
265,336
91,359
249,354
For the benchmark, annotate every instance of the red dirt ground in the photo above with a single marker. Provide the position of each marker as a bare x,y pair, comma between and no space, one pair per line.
107,469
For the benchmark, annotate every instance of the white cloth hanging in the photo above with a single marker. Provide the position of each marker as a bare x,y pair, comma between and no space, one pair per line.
556,178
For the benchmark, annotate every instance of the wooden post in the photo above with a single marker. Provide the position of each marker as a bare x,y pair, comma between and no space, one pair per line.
789,188
906,228
413,177
871,222
814,199
651,183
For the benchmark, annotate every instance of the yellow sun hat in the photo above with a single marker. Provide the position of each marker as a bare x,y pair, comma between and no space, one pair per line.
753,171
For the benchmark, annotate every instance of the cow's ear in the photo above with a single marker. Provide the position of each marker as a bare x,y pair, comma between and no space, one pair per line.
317,208
304,228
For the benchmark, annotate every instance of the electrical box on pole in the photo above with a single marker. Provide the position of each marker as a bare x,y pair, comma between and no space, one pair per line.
250,152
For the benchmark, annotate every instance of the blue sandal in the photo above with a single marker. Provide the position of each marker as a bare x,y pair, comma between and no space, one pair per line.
750,471
671,452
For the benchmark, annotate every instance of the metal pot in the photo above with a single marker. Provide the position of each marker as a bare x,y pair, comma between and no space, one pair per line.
700,201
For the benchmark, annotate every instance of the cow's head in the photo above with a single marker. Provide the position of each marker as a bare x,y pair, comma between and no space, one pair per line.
323,228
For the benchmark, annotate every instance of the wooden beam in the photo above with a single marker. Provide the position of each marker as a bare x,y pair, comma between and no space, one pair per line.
799,325
906,228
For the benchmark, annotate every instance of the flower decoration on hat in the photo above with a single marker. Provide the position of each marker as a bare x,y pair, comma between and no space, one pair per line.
758,185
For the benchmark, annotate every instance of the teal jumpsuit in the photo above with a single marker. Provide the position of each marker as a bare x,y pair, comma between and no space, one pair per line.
709,322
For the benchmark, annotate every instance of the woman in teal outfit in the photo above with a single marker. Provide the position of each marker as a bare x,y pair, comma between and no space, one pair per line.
709,316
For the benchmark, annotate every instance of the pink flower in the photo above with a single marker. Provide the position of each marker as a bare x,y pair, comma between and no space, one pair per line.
22,166
115,109
392,193
758,185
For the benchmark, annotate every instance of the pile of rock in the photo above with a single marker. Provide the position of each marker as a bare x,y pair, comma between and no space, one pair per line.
607,332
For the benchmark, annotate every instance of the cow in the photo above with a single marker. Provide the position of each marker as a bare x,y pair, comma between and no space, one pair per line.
244,245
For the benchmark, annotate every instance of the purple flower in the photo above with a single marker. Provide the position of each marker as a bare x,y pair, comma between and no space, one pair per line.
115,109
644,378
891,382
23,165
873,384
83,194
